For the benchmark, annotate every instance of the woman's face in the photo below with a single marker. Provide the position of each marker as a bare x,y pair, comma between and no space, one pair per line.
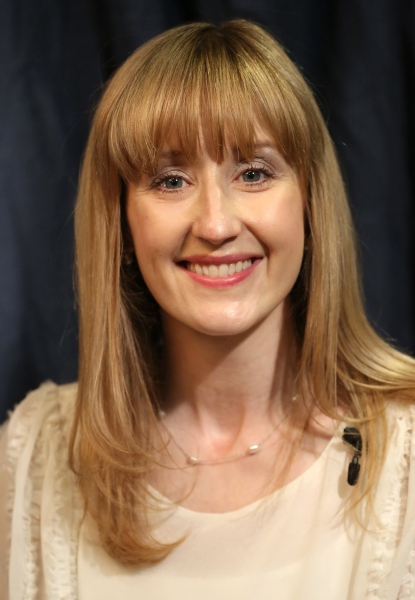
219,245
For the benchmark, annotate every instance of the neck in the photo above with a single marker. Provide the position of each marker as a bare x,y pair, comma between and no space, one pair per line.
225,382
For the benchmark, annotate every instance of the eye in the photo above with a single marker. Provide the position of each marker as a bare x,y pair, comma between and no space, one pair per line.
170,182
255,176
252,176
173,183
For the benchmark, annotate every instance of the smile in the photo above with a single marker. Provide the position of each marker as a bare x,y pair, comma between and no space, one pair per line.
221,270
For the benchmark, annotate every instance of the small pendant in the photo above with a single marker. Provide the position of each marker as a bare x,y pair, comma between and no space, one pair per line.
253,449
193,460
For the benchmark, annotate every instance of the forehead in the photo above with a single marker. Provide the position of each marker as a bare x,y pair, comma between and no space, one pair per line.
262,145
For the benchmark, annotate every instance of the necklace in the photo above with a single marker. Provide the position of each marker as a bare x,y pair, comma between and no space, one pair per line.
194,460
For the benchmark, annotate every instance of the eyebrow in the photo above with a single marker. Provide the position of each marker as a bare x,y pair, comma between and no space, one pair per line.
266,145
260,150
171,154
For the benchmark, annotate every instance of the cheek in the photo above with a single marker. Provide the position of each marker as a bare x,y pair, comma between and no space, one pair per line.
156,235
282,228
138,221
145,229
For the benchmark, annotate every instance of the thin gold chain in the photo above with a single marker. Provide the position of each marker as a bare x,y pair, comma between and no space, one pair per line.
252,449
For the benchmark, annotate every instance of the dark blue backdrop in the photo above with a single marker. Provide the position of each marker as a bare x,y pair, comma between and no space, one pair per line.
54,57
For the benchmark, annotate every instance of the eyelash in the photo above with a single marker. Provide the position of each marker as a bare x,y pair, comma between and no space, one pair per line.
157,183
260,169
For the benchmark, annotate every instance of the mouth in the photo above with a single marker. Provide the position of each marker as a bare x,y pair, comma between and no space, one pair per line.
220,270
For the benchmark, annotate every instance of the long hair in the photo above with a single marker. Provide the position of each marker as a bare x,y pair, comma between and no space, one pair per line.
231,78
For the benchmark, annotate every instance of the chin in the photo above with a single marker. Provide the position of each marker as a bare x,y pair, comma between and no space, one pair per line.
224,331
230,321
223,326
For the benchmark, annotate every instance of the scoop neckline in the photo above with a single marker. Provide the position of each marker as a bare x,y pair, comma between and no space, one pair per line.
252,506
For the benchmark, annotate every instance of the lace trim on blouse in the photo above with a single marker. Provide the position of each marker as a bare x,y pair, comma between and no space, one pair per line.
42,493
393,488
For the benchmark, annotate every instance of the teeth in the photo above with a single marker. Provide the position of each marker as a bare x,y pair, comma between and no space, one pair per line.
223,270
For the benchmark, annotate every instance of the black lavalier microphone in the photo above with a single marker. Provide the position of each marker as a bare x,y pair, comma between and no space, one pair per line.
352,437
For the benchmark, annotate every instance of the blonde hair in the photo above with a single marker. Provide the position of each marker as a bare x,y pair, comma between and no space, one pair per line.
229,78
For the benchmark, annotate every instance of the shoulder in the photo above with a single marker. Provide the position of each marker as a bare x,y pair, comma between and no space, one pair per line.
400,418
37,434
45,414
399,466
47,402
394,555
42,502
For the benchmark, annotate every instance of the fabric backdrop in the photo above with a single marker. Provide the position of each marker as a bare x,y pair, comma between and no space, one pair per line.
55,55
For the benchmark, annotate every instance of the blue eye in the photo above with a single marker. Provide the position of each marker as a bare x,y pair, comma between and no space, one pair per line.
173,183
251,176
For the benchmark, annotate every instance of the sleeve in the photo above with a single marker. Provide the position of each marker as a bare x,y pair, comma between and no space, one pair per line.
407,588
402,581
405,560
38,511
4,516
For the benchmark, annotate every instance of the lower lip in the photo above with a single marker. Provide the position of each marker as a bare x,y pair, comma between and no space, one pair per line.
222,282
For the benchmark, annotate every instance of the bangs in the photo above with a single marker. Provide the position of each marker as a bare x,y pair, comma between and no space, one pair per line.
202,81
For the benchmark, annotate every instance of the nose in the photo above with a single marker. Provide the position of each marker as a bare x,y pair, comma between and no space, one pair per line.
216,219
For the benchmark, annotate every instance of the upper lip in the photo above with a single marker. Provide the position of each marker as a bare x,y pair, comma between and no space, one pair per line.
208,259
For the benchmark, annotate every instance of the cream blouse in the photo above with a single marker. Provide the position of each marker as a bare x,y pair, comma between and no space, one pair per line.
296,544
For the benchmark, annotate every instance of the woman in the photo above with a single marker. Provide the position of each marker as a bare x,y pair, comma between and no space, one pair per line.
223,351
